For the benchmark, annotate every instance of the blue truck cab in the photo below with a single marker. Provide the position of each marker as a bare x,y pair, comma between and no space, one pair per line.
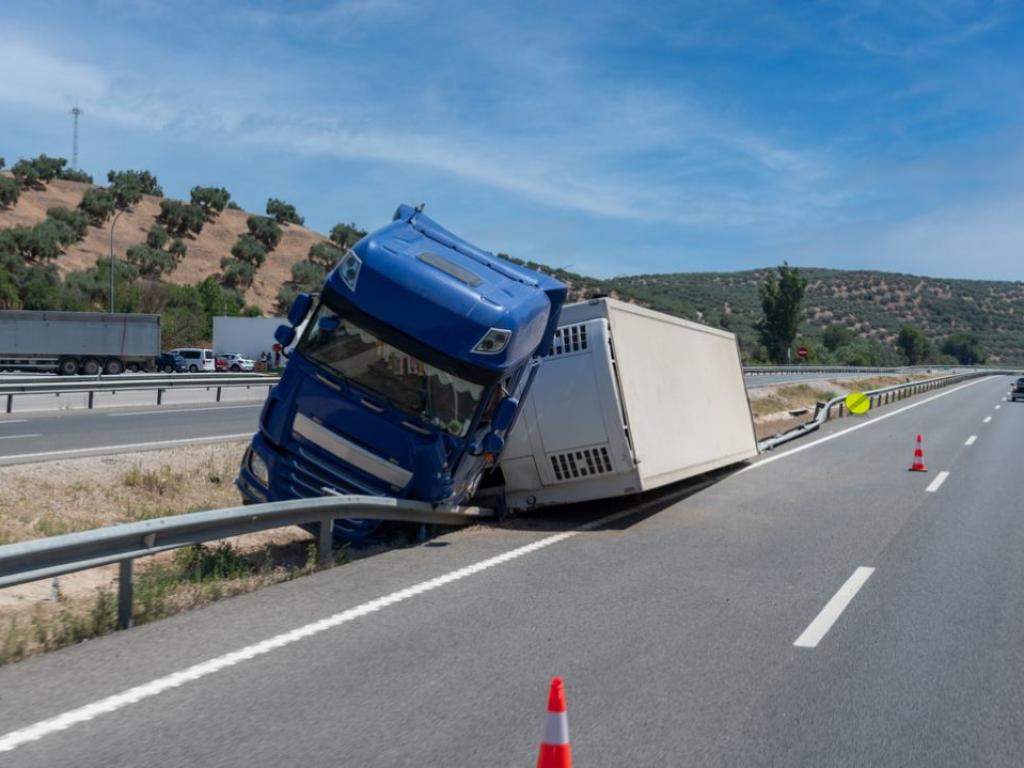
409,370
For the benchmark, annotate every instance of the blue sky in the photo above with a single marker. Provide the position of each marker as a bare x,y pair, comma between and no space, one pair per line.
614,137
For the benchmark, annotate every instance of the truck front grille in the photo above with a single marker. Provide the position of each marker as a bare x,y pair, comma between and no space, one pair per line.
310,475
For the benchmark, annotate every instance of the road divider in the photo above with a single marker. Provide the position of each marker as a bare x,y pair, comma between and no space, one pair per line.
833,609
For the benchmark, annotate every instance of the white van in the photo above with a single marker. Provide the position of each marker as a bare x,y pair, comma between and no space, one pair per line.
196,359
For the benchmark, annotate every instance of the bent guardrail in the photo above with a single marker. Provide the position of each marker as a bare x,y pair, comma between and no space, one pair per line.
882,396
58,555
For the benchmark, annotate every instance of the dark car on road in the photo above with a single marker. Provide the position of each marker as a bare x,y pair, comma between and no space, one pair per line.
168,362
1017,390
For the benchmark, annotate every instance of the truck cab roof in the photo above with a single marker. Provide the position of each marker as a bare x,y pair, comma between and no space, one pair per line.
447,294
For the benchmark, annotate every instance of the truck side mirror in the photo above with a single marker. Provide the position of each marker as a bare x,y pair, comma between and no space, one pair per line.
284,335
299,309
504,414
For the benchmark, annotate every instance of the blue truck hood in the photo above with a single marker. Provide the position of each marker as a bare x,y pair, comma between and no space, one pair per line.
446,293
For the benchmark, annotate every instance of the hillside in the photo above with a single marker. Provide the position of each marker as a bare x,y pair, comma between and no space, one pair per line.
205,250
875,305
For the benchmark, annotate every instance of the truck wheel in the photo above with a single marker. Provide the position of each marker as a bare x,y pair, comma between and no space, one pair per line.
91,367
114,367
193,368
67,366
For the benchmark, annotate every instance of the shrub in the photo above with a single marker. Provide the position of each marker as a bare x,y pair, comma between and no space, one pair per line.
265,230
10,191
142,181
72,174
237,274
25,172
324,254
181,218
77,220
157,237
152,263
98,204
282,212
210,199
346,235
250,250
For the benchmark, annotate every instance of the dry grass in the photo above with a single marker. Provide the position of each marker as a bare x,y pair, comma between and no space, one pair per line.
77,494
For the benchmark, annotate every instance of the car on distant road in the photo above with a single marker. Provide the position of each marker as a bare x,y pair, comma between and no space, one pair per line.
237,362
169,362
220,363
196,359
1017,390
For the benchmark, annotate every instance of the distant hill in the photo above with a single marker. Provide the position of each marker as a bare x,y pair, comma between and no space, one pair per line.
874,304
205,250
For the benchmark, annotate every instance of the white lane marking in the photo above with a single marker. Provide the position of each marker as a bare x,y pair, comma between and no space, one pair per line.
987,419
71,452
186,410
13,421
935,484
862,425
833,609
971,439
15,437
998,407
82,714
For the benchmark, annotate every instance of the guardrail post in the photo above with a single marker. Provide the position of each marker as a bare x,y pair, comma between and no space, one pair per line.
10,403
218,393
159,395
125,596
91,393
325,542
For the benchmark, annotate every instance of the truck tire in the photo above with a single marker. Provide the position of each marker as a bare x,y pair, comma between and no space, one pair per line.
90,366
113,367
67,366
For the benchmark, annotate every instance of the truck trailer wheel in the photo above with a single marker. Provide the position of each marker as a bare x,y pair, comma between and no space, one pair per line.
67,366
91,367
114,367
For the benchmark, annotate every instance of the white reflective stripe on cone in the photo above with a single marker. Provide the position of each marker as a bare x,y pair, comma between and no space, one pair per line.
556,729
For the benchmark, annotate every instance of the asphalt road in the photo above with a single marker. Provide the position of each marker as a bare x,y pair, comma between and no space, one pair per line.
32,437
676,630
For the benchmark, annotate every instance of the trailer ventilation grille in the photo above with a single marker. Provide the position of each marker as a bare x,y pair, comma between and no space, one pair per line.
569,339
581,463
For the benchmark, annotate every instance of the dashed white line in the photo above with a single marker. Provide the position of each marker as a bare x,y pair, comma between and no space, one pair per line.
833,609
62,722
970,440
15,437
987,419
935,484
998,407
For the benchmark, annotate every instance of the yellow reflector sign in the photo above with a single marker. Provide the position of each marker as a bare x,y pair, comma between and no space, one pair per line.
858,402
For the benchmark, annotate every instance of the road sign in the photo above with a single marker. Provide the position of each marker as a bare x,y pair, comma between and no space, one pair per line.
802,352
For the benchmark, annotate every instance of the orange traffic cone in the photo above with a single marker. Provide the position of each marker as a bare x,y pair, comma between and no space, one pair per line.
554,748
918,465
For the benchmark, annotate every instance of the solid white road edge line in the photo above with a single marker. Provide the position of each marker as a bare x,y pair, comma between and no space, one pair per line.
833,609
100,449
987,419
876,420
36,731
186,410
13,421
15,437
970,440
935,484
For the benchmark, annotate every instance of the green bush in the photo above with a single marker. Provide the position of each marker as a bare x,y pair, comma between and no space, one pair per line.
324,254
98,204
237,274
250,250
181,218
77,220
143,182
152,263
347,235
72,174
26,173
265,230
283,213
210,199
10,191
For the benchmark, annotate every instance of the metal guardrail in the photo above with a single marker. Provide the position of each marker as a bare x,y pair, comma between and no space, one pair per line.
58,555
760,370
160,384
882,396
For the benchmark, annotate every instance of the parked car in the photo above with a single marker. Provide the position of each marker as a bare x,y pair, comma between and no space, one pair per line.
169,362
196,359
237,362
220,363
1017,390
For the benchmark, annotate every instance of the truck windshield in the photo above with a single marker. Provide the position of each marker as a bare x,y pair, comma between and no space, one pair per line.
436,396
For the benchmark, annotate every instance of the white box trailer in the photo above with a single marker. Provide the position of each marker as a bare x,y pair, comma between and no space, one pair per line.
629,400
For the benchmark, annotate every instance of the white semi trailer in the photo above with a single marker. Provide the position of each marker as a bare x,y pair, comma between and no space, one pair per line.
628,400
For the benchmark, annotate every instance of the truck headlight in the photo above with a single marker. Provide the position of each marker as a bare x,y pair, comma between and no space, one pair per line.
258,467
495,340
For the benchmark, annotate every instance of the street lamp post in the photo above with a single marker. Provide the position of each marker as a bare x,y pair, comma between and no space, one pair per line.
116,216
